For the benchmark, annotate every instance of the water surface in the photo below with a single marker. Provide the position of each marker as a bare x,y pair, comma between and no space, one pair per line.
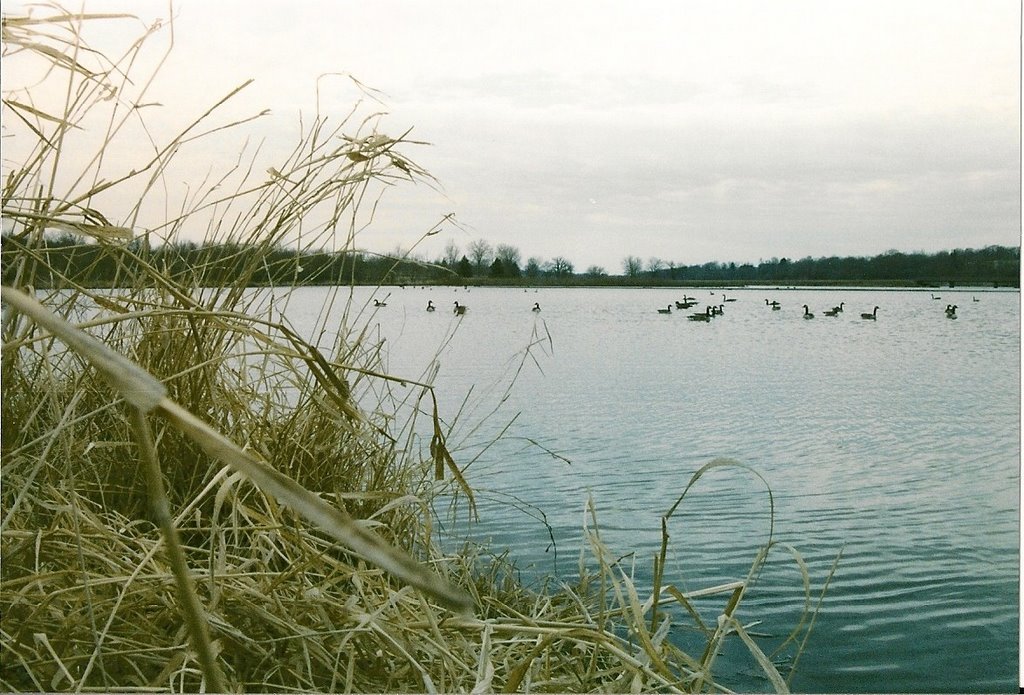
896,440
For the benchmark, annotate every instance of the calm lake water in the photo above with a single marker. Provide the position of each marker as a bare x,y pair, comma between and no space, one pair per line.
896,441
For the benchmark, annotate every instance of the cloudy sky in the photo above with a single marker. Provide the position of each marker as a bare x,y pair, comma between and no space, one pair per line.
692,130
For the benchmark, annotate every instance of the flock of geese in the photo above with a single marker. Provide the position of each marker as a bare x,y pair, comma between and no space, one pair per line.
712,310
459,309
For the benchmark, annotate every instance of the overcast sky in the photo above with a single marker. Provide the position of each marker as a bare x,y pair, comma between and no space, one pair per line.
690,130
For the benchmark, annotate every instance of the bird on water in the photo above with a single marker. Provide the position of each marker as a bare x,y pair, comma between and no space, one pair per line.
872,316
430,305
460,309
536,306
807,313
666,310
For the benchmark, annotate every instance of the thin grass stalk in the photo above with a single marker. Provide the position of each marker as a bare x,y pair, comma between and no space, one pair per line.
191,608
659,569
814,616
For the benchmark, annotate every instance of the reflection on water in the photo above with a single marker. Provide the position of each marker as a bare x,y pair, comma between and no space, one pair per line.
896,440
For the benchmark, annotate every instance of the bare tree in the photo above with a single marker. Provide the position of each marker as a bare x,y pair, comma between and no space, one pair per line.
533,266
596,271
451,254
509,257
480,253
632,266
559,265
655,265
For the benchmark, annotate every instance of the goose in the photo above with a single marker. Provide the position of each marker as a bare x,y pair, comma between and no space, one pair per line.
727,300
686,303
430,305
706,316
773,304
666,310
839,309
834,311
951,311
934,297
807,313
460,309
377,302
975,299
872,316
536,306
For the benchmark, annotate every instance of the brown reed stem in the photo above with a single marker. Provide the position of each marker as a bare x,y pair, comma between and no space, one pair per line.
191,609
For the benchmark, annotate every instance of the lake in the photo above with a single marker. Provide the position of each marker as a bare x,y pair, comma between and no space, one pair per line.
895,440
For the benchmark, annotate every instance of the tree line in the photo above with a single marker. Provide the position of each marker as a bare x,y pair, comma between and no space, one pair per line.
65,257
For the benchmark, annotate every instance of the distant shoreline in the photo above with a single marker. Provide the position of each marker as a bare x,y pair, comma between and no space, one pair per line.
865,287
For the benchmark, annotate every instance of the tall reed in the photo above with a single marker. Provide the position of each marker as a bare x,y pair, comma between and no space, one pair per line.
197,497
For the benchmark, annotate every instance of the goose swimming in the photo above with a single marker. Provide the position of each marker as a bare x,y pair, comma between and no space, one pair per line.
807,313
666,310
706,316
536,306
872,316
430,305
460,309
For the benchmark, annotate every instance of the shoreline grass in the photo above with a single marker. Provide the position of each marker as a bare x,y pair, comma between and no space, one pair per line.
196,498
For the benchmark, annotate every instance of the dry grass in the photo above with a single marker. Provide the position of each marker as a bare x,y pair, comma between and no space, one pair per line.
197,498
